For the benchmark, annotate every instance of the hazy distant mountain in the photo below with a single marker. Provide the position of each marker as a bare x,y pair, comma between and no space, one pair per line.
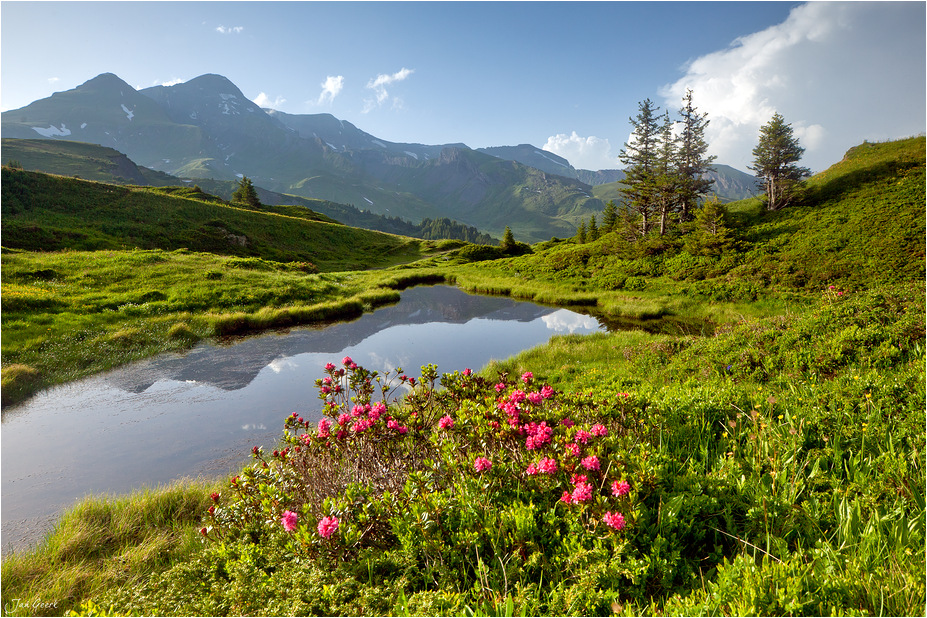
206,128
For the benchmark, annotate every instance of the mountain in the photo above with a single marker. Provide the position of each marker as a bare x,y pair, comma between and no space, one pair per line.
207,129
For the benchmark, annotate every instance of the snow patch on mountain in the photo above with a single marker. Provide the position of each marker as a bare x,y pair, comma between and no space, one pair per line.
129,113
53,131
411,154
538,152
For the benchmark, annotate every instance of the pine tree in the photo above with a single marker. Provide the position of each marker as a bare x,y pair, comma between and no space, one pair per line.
709,234
640,156
581,232
609,216
593,229
774,162
666,194
508,240
694,162
245,194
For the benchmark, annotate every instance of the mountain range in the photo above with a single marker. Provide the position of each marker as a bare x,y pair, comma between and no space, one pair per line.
206,128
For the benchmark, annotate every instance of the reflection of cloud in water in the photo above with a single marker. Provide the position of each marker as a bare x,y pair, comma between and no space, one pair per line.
563,320
279,364
254,427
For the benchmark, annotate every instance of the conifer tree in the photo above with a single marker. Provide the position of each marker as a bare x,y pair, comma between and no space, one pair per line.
667,179
774,162
581,232
593,229
640,156
246,194
609,216
508,240
694,161
709,234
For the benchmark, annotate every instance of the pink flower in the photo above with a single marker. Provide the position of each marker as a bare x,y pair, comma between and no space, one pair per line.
583,436
548,465
329,367
518,396
325,390
599,430
620,488
582,492
526,377
481,464
590,463
446,422
573,448
567,423
532,469
576,479
289,521
357,410
535,398
344,418
346,361
566,497
547,392
615,520
324,426
327,526
500,387
468,372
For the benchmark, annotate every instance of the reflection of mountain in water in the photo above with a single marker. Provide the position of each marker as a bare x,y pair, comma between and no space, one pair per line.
234,366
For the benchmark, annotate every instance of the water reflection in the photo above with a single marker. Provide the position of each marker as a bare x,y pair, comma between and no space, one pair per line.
200,412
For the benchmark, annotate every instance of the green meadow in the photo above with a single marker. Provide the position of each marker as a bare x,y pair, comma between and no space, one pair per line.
752,443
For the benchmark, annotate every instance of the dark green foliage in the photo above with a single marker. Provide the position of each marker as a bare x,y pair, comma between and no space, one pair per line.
641,156
709,233
775,160
609,216
694,160
245,194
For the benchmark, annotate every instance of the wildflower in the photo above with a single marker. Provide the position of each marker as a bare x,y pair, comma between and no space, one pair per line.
583,436
329,367
535,398
599,430
526,377
346,361
532,469
566,497
518,396
325,390
289,521
500,387
203,531
576,479
446,422
468,372
573,448
615,520
582,492
344,418
324,425
327,526
620,488
214,496
547,465
547,392
357,411
567,423
481,464
212,509
590,463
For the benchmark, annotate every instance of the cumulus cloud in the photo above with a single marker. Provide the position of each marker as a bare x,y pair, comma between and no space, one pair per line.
330,88
838,72
230,29
379,84
262,100
589,153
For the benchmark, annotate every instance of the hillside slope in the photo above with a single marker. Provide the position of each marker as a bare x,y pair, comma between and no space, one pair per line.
41,212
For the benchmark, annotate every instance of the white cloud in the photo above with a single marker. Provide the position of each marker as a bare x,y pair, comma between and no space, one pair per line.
379,84
262,100
170,82
588,153
332,85
230,29
838,72
53,80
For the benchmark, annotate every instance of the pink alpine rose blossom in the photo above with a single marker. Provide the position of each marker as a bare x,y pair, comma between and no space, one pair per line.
481,464
329,367
590,463
289,521
500,387
527,377
532,469
566,497
582,492
327,526
344,418
346,361
547,392
599,430
615,520
620,488
324,426
468,372
573,448
535,398
548,465
446,422
583,436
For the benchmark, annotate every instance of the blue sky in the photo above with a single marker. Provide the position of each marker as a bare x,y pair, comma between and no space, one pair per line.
565,76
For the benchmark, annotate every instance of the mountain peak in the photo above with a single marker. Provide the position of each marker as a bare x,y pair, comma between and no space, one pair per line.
104,81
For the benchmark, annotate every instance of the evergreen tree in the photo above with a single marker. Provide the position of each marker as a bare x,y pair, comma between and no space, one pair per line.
245,194
666,193
593,229
640,156
709,234
774,162
581,232
694,161
609,216
508,240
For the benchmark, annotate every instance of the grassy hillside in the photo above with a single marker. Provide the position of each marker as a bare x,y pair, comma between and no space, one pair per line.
50,213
